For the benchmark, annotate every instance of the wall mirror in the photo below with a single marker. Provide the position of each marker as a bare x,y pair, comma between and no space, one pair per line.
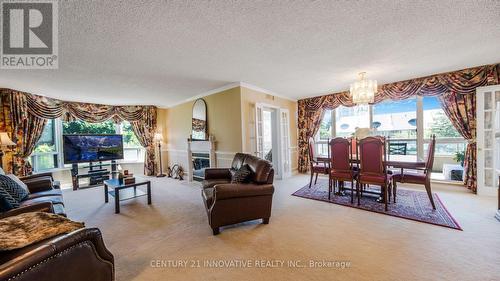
199,120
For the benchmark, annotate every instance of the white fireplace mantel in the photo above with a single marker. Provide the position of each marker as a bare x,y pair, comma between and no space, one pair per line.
200,146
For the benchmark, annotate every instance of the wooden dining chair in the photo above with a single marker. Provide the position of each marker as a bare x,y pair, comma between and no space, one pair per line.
315,166
341,167
371,154
418,175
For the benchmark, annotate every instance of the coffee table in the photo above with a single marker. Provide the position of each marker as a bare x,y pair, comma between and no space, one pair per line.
122,191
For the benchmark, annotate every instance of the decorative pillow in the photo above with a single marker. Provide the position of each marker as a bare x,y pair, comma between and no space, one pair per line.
28,228
6,201
242,175
15,190
19,182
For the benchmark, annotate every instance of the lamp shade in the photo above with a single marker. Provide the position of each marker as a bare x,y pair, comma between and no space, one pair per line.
158,137
5,140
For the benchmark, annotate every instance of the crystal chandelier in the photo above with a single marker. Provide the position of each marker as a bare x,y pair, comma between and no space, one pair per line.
363,91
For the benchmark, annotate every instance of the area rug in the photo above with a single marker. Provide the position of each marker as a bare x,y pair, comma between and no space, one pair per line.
410,204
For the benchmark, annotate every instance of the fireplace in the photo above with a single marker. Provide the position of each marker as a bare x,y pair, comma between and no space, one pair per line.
201,155
200,162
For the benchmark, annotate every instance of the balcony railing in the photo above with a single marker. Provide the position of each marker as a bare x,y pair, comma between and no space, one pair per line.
444,146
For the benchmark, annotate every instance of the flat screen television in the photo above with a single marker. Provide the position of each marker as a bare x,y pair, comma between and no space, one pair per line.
92,148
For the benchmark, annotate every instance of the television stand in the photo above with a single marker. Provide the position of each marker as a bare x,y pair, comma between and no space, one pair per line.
98,172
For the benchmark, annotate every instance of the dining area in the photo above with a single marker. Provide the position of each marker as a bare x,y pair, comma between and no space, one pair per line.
368,167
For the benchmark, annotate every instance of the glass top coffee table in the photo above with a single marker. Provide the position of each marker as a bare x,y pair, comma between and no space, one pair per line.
122,191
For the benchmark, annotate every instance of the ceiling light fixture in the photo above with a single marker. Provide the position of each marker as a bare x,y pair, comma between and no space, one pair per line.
363,91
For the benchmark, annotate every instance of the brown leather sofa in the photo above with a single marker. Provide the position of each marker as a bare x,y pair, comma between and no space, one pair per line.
77,256
42,188
228,203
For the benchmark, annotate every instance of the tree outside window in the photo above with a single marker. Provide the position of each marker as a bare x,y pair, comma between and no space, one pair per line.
82,127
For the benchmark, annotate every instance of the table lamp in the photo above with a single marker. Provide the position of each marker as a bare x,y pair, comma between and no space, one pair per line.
5,141
159,139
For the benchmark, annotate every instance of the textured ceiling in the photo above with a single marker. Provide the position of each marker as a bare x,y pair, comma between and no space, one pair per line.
164,52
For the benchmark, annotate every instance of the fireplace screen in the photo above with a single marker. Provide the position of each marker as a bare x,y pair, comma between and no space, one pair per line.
200,162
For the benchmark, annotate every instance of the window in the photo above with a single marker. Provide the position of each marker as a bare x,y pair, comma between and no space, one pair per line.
82,127
132,149
45,154
325,133
448,141
48,151
397,120
348,119
325,129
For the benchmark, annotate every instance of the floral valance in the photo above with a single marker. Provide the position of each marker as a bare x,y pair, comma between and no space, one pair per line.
23,104
462,82
25,116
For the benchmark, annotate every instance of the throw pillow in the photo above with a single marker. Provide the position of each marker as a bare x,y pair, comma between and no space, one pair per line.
242,175
6,201
28,228
19,182
14,189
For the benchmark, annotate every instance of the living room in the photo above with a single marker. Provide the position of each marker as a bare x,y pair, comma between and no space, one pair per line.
272,140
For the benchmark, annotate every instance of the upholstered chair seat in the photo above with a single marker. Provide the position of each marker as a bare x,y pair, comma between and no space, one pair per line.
409,177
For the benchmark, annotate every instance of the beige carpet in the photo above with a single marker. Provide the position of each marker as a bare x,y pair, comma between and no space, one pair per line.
378,247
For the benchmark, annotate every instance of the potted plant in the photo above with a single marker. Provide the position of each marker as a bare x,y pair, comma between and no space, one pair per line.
460,157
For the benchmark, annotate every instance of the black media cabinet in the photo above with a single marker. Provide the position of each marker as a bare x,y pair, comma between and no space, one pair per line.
98,172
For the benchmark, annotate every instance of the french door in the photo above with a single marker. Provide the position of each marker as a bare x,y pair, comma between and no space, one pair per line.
285,142
259,127
488,139
277,127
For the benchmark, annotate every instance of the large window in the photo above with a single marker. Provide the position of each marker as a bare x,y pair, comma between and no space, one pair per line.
408,123
132,149
82,127
348,119
448,141
397,121
48,151
45,155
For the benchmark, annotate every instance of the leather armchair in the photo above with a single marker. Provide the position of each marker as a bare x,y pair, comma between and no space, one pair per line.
229,203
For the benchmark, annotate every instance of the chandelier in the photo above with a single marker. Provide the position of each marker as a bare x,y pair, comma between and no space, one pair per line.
363,91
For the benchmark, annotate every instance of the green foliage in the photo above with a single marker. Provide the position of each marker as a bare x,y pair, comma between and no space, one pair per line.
82,127
44,148
325,129
459,157
442,127
129,138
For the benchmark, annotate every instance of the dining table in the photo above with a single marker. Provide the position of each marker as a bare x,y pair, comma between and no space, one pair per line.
397,162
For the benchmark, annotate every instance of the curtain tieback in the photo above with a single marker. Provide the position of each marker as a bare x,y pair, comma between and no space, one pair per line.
471,141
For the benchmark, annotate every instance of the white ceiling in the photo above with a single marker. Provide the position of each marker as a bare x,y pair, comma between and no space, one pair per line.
164,52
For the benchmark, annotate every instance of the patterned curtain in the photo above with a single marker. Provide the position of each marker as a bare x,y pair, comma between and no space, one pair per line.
28,133
145,135
462,82
461,110
28,115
